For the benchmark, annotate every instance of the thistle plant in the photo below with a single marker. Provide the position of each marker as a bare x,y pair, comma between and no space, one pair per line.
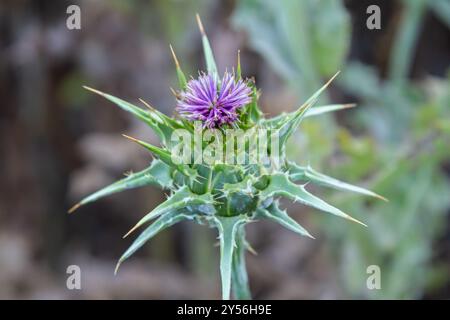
223,192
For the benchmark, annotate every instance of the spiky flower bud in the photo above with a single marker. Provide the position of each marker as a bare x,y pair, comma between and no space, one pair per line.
212,103
223,184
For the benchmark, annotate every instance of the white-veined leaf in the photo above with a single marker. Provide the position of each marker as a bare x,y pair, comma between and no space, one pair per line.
297,173
274,213
182,198
157,173
280,185
163,222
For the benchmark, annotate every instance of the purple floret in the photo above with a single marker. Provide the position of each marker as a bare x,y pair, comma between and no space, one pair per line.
213,104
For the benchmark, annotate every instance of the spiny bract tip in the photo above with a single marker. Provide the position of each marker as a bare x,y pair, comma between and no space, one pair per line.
200,24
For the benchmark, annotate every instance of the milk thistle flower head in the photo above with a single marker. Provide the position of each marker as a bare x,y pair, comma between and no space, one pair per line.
213,103
221,195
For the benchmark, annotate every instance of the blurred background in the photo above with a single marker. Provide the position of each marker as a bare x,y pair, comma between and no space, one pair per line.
58,143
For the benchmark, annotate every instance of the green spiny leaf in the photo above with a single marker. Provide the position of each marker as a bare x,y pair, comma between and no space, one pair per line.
274,213
138,112
182,198
157,173
254,111
162,125
297,173
328,108
180,74
209,57
159,152
162,173
281,186
251,114
161,118
238,68
290,124
166,125
164,155
315,111
163,222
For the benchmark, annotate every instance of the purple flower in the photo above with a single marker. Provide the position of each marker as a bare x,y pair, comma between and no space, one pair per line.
212,103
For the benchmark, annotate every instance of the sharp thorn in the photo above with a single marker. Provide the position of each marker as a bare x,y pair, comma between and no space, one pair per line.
117,267
131,230
75,207
355,220
94,90
349,105
381,197
131,138
146,104
174,92
200,24
177,64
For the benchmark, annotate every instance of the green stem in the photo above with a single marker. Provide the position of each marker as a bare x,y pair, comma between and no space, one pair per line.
239,278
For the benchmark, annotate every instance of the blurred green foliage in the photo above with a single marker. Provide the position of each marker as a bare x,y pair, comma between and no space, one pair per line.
296,37
407,160
400,149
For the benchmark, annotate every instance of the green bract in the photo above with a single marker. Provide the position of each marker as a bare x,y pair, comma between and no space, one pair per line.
220,195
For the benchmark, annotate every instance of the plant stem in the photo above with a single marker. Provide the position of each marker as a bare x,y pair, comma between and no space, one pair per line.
239,278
